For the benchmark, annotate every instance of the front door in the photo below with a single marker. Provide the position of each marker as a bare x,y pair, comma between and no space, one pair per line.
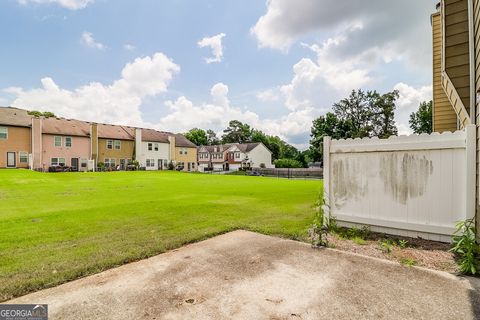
160,164
188,165
122,164
74,164
11,160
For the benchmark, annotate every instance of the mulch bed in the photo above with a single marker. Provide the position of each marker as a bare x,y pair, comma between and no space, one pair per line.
418,252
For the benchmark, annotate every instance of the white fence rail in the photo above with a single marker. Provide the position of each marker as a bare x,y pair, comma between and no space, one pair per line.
417,186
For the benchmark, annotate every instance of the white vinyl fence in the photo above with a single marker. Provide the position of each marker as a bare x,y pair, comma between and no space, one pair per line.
417,186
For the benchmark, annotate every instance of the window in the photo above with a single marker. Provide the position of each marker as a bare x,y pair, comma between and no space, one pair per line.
181,151
109,162
110,144
237,155
156,146
58,141
68,142
150,146
165,164
185,151
57,161
118,144
193,165
150,163
23,157
3,133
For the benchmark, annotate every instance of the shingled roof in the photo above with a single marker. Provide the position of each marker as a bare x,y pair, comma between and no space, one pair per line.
64,126
154,136
110,131
181,141
10,116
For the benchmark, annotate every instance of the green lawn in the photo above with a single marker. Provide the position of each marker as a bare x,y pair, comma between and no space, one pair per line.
59,227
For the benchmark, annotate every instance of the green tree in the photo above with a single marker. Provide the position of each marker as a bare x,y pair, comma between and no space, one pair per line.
327,125
287,163
382,108
421,121
197,136
46,114
237,132
212,138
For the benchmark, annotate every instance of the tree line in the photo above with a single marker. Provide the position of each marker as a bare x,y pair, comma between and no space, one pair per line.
361,114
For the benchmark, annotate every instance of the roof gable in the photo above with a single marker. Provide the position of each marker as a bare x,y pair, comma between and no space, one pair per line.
15,117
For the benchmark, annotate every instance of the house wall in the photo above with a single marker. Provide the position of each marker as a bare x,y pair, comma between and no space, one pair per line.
19,140
190,157
457,50
80,149
126,151
416,186
94,142
163,153
444,116
259,155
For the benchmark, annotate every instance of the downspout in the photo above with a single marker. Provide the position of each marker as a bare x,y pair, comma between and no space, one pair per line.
471,34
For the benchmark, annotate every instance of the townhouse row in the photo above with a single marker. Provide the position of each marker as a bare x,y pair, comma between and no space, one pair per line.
234,156
39,143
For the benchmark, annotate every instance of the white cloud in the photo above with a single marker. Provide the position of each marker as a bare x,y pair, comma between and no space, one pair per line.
394,29
408,102
129,47
117,103
215,43
269,95
68,4
88,40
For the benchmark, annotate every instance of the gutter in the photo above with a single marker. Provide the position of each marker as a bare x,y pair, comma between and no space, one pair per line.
471,33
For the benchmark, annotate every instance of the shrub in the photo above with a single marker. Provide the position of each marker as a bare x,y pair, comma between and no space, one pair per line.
287,163
466,247
171,166
262,165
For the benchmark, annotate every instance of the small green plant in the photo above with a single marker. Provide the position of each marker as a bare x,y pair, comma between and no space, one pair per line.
386,245
408,262
466,247
319,230
359,241
402,243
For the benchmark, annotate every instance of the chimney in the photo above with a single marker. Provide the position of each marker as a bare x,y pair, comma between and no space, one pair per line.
94,142
171,139
37,161
138,146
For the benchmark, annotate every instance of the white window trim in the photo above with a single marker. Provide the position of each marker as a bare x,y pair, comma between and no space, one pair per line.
55,141
65,142
115,145
20,157
6,133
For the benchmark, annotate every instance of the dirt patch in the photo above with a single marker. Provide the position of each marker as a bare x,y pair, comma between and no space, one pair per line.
419,252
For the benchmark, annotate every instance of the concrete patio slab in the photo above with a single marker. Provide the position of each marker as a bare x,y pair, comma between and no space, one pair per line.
244,275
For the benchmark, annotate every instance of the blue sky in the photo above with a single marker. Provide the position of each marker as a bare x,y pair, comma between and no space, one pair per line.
279,64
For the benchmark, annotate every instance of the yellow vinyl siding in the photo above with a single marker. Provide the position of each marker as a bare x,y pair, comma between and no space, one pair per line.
444,117
457,61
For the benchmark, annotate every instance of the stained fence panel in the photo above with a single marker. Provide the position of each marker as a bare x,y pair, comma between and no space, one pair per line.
414,185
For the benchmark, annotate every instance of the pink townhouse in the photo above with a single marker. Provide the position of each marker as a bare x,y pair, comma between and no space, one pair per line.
65,142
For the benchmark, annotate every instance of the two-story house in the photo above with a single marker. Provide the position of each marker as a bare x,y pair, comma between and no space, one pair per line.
65,142
152,149
15,138
183,152
115,145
